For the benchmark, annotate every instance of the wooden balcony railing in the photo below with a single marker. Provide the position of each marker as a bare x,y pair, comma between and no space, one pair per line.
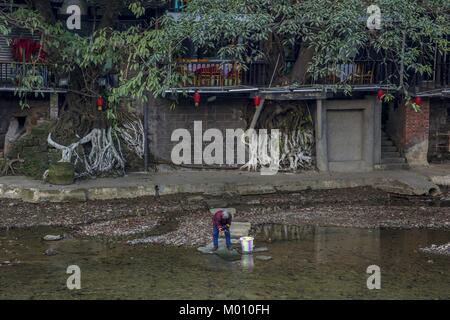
206,73
439,79
11,72
443,75
359,72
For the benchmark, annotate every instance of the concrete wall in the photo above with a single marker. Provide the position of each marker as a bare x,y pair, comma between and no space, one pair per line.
395,126
221,114
439,137
348,134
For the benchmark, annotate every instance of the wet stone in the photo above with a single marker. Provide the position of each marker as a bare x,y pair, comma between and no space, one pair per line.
50,252
222,251
263,258
51,237
208,249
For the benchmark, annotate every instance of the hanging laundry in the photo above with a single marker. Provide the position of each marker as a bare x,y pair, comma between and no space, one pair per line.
28,49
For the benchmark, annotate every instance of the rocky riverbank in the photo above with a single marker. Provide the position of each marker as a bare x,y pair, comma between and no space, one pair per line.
186,220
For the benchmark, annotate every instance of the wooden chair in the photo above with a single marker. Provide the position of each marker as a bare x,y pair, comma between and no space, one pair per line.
362,75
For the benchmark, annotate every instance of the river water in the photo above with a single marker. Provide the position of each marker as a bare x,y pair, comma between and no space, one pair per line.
317,263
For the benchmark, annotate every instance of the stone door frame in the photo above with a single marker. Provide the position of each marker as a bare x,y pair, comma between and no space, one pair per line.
371,108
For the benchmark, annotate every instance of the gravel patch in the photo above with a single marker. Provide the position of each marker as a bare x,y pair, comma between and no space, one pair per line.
119,227
185,220
436,249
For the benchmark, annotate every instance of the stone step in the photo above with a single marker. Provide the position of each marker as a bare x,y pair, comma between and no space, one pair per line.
387,143
388,149
240,229
392,166
393,160
390,154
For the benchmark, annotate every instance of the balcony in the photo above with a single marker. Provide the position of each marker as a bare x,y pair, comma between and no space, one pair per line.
221,73
359,73
438,80
10,74
177,5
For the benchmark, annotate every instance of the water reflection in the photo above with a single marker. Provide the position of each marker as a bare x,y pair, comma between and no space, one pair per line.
247,262
339,245
315,262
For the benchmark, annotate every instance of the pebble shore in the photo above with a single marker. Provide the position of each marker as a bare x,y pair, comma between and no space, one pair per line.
186,220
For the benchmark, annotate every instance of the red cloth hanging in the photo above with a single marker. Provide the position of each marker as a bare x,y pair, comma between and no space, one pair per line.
27,47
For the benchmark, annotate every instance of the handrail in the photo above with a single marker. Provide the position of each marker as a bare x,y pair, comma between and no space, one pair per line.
10,70
220,73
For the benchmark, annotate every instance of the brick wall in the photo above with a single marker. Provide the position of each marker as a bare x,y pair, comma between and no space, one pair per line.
410,131
221,114
417,125
416,133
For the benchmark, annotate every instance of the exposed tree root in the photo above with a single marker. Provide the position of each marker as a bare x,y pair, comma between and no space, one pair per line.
295,142
9,166
131,130
101,152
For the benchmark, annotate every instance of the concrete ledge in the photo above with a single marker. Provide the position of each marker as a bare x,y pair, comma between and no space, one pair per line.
120,192
211,183
441,180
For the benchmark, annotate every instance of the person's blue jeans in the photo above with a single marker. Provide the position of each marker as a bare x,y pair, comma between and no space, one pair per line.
216,236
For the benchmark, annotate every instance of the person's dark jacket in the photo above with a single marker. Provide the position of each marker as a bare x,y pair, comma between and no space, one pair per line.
219,221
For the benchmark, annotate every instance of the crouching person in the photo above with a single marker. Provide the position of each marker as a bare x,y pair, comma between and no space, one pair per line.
221,225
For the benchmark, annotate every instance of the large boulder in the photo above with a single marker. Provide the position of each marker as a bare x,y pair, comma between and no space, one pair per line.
32,148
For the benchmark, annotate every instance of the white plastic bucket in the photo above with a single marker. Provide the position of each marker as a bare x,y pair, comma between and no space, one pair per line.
246,244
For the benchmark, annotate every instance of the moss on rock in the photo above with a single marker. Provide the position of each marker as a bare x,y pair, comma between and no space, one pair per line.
61,173
33,149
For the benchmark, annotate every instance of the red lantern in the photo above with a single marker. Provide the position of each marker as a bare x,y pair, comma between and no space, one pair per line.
197,98
418,100
257,101
100,103
380,94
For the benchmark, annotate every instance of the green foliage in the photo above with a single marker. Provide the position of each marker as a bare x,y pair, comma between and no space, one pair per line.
32,148
137,8
336,30
388,97
140,57
144,58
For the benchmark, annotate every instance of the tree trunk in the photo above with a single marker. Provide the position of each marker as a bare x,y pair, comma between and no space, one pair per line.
111,10
45,9
299,71
275,57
